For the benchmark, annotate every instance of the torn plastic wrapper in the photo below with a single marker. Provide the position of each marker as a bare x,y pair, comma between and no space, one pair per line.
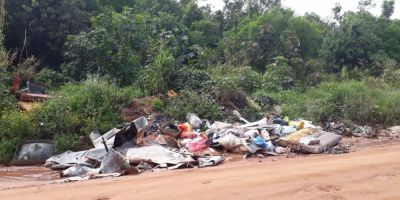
79,170
157,154
194,120
196,144
83,178
210,161
230,142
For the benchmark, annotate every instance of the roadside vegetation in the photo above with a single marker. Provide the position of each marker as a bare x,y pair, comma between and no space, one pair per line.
253,56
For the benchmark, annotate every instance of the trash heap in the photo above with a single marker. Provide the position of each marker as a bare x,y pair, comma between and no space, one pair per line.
158,144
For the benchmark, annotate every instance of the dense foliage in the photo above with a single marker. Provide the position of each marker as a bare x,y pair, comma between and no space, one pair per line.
255,56
75,110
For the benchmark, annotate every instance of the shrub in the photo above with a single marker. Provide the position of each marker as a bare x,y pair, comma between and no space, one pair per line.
155,77
50,78
224,88
229,79
247,79
191,102
362,102
15,126
391,74
5,99
75,110
189,78
64,142
279,75
158,105
93,104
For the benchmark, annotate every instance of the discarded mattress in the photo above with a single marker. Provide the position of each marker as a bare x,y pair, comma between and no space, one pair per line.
323,140
326,140
293,140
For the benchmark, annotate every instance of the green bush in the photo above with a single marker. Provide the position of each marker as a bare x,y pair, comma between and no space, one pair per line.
224,88
189,78
158,105
368,101
80,108
50,78
279,75
73,111
5,99
15,126
247,79
189,101
230,79
156,77
65,142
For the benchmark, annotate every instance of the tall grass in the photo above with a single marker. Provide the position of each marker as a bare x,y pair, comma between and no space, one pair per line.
75,110
370,101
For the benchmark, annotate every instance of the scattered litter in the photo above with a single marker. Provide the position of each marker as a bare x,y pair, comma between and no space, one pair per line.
194,120
394,131
282,150
158,144
364,131
210,161
79,170
339,149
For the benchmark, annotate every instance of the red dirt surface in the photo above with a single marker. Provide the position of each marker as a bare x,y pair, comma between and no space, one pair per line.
371,172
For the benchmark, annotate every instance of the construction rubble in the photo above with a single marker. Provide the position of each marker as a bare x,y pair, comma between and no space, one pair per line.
158,144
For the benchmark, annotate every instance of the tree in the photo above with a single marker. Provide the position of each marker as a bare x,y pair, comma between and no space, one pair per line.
391,40
353,43
336,12
40,27
4,63
191,14
387,8
117,47
207,33
365,5
260,6
233,11
275,33
279,75
310,36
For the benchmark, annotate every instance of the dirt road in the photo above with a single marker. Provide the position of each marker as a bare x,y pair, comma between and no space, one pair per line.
372,173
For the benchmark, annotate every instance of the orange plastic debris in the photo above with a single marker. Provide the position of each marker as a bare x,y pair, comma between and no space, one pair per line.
186,131
172,93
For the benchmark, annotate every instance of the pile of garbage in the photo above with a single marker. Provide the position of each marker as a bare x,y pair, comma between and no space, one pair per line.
161,145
